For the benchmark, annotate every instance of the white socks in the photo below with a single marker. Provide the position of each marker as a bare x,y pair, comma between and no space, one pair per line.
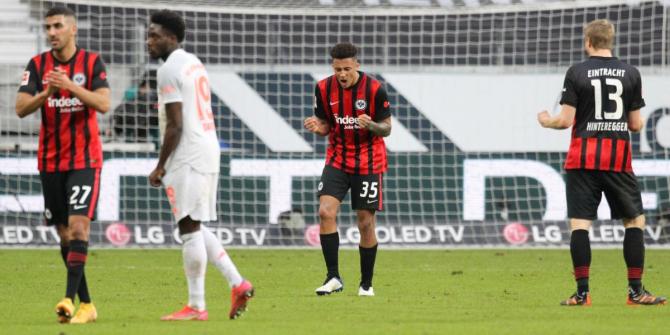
195,264
197,247
218,256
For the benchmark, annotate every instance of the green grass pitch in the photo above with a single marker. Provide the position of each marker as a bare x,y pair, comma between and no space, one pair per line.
418,292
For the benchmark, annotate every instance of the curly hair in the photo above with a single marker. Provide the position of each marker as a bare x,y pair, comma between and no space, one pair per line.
170,21
343,50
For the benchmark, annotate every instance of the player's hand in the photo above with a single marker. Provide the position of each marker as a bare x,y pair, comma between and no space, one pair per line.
312,124
51,89
156,177
543,118
58,79
364,121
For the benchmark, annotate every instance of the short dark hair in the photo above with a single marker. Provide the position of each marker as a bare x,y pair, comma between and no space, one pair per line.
343,50
59,10
170,21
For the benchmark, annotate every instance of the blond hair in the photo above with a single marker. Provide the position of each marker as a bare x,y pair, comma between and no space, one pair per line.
600,33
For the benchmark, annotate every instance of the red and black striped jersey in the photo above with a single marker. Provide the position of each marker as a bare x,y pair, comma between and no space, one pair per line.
351,148
69,138
603,91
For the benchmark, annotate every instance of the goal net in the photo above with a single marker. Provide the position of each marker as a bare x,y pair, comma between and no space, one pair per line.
468,164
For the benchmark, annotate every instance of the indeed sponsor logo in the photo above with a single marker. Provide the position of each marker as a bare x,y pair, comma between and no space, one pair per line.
346,120
64,102
349,122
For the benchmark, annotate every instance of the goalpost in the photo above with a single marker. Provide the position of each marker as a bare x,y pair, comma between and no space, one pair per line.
468,164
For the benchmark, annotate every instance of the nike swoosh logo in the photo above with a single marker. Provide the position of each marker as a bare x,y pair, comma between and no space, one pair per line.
372,201
334,103
79,206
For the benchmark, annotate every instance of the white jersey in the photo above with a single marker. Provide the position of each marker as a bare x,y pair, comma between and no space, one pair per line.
183,78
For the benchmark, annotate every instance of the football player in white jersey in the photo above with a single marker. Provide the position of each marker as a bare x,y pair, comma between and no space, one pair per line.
188,165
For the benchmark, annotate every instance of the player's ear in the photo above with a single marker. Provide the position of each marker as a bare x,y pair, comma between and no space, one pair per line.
72,23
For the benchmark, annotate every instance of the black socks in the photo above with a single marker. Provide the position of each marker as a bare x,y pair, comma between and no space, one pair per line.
580,250
330,245
368,256
633,253
76,259
84,296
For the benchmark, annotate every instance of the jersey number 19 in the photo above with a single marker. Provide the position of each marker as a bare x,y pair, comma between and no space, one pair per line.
204,103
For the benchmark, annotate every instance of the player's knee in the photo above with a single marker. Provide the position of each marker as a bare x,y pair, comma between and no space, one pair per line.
327,213
65,238
79,233
366,225
637,222
78,227
64,235
580,224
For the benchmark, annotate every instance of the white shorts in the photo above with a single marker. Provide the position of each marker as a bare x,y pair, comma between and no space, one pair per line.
191,193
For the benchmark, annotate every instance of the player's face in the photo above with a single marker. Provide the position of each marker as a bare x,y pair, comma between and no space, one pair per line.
346,71
60,31
158,41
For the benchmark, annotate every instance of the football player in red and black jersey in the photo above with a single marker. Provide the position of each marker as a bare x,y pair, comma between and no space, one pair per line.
601,100
352,109
68,85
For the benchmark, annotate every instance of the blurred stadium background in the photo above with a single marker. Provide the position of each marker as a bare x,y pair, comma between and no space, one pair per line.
469,166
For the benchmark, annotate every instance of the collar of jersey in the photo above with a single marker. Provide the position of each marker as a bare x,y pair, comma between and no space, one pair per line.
603,58
67,61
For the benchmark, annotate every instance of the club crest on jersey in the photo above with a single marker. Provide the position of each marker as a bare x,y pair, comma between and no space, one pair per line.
360,104
79,79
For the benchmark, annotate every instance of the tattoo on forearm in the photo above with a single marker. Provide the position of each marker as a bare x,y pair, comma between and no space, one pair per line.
380,129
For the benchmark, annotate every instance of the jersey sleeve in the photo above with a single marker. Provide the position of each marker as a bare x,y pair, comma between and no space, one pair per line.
99,77
382,105
29,79
637,101
169,85
569,94
319,111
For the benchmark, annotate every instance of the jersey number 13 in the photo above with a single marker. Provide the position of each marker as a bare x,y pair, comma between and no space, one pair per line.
616,97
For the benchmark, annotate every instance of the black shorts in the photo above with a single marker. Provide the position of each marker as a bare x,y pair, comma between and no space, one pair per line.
66,193
366,190
584,190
